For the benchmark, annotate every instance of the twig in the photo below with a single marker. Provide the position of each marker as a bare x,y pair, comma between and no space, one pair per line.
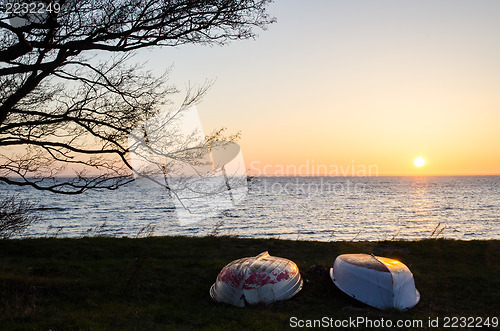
437,235
435,230
396,234
215,231
356,236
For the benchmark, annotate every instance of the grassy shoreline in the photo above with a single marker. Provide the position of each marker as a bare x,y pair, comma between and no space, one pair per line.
164,282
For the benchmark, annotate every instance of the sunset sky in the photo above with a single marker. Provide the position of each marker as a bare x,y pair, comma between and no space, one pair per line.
357,83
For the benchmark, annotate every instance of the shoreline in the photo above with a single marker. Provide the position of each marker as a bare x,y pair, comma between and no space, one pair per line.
222,235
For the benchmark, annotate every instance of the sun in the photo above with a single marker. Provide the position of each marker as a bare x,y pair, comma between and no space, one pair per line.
419,162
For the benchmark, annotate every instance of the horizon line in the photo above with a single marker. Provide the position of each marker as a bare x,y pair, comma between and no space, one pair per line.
382,175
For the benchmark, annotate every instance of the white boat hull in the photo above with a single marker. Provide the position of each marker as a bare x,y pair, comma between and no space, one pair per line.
260,279
377,281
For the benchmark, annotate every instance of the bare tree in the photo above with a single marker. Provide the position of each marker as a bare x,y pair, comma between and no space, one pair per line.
15,216
69,95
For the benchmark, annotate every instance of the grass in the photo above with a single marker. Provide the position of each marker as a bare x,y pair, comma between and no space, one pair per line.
163,282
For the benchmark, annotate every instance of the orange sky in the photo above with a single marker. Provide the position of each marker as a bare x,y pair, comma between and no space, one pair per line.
356,83
364,82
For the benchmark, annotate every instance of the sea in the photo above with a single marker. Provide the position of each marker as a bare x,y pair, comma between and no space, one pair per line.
296,208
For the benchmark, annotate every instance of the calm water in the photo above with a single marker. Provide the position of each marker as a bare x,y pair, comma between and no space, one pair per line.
305,208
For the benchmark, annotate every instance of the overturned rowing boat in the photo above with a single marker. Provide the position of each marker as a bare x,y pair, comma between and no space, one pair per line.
377,281
259,279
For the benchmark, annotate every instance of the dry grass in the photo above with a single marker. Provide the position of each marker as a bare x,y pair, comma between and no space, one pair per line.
163,282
